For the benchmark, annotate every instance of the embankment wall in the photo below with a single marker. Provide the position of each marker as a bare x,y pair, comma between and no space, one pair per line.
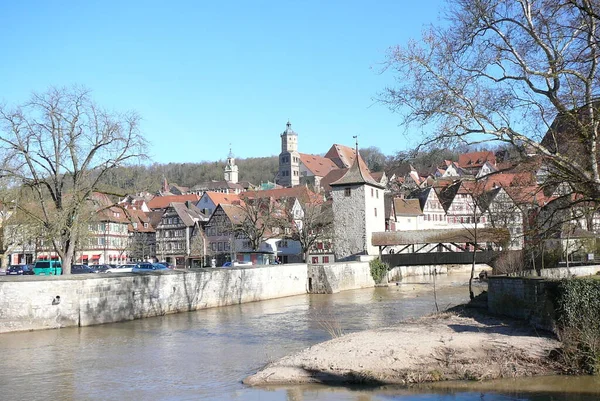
523,298
398,272
341,276
34,303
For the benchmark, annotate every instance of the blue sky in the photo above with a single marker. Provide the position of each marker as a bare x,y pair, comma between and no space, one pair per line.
205,74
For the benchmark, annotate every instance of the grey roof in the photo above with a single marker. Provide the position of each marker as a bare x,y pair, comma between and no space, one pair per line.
210,185
460,235
188,213
358,173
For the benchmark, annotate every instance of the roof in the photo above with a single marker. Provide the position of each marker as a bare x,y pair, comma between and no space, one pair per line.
357,174
476,159
139,217
461,235
211,185
301,192
235,213
343,156
528,195
378,176
188,213
318,165
333,176
219,198
407,207
161,202
154,217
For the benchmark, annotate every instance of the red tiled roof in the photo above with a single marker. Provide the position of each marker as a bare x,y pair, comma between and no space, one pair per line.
532,195
301,192
358,173
318,165
333,176
342,156
219,198
476,159
161,202
139,217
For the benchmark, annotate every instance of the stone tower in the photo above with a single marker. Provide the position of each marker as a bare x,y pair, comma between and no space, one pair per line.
358,211
231,170
289,159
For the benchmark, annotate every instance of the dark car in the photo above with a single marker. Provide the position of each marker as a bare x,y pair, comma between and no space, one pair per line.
18,270
99,268
28,270
148,267
81,269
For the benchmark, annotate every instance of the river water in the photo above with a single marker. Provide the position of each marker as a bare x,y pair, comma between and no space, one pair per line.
204,355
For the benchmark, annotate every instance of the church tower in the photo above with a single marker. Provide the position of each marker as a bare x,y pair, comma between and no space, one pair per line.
231,170
289,159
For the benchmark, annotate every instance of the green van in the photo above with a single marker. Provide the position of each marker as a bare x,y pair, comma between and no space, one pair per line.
47,268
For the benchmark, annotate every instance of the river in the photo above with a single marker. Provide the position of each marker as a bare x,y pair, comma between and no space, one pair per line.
204,355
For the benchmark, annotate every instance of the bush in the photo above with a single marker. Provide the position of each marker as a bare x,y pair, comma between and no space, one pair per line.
379,270
578,318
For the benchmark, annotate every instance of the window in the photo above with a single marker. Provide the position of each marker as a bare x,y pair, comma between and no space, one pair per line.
315,260
226,246
145,225
325,259
377,193
220,246
375,212
347,191
372,192
213,246
283,244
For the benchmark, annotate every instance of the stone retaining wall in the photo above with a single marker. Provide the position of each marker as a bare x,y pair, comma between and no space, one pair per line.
34,302
563,272
398,272
341,276
523,298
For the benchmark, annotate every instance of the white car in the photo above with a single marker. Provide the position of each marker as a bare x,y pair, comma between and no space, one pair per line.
121,269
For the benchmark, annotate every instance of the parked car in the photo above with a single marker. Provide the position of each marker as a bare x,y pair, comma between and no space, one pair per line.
148,267
99,268
19,270
120,269
81,269
235,264
47,267
166,265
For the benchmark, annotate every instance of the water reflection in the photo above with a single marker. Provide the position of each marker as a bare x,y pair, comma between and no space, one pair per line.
205,354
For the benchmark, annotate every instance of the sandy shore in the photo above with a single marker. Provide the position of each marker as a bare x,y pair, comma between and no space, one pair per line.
450,346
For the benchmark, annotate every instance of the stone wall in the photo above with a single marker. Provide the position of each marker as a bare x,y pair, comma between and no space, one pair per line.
34,302
398,272
563,272
522,298
336,277
349,230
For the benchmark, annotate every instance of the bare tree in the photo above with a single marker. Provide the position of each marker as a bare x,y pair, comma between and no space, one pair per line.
58,146
513,72
260,220
312,224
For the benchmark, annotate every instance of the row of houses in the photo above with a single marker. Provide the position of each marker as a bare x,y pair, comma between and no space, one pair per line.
193,226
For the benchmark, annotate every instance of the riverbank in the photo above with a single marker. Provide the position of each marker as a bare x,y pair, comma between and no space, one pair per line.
461,345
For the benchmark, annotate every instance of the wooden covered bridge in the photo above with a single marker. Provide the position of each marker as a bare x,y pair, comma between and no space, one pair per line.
414,243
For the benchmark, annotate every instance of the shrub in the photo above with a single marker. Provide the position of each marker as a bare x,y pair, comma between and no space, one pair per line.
379,270
578,318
